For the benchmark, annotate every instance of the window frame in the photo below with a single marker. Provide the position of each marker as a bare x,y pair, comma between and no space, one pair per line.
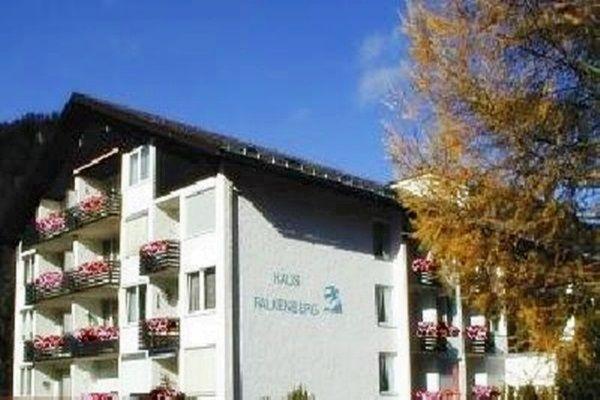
392,384
391,314
136,175
202,303
186,216
140,303
386,240
26,380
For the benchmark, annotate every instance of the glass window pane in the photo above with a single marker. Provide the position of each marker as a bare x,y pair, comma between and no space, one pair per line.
200,213
133,169
193,291
144,164
381,240
136,231
209,288
131,303
142,302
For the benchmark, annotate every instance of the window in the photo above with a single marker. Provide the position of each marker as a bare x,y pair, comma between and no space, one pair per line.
27,323
386,372
381,240
209,288
25,383
201,289
139,165
383,301
28,269
135,301
200,371
144,164
433,381
136,234
199,213
193,289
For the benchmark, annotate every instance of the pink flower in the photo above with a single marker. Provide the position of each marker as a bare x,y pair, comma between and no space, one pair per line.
160,325
477,332
51,224
432,329
96,334
485,392
423,394
165,393
100,396
48,342
154,248
422,264
92,204
49,280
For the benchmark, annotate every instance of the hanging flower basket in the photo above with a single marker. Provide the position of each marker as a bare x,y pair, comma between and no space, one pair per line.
100,396
48,343
51,225
485,392
426,270
49,280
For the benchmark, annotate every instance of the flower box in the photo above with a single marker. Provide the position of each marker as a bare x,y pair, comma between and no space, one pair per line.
45,346
446,394
166,393
479,338
159,334
94,340
481,392
51,225
159,255
100,396
50,284
94,204
434,335
426,270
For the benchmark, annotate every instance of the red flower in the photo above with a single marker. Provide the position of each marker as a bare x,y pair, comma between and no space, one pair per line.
92,268
96,334
92,204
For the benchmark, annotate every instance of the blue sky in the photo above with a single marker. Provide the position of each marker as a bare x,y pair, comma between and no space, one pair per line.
305,77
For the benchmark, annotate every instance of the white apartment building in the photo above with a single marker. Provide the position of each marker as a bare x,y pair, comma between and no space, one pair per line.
165,253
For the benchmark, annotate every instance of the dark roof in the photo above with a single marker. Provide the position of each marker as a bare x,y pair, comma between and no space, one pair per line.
223,145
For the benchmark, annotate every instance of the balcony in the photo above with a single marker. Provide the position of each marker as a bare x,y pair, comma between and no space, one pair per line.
94,217
95,341
479,339
160,256
87,276
159,335
433,337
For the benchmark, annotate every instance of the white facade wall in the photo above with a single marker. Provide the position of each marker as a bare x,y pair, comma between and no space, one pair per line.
274,243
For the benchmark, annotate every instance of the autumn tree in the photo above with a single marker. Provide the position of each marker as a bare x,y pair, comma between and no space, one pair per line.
502,175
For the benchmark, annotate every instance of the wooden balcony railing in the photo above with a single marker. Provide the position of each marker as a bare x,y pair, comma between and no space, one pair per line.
159,335
86,212
68,346
159,256
108,273
480,346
